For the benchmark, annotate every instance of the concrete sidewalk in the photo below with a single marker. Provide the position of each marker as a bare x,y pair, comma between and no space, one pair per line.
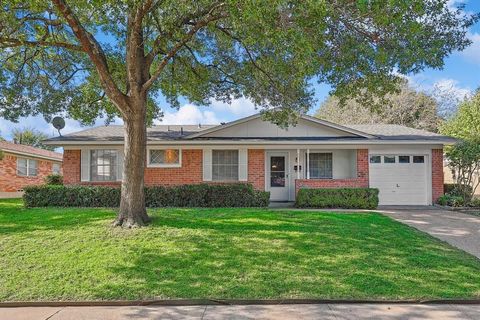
458,229
311,311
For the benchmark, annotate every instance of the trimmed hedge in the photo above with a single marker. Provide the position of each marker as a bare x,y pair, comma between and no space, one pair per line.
345,198
200,195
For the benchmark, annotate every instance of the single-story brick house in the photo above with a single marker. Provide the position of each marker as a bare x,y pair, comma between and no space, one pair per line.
22,166
405,164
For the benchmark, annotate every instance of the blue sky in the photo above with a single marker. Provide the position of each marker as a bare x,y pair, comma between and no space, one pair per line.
460,76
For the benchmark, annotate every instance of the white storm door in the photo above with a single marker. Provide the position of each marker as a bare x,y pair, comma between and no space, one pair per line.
278,176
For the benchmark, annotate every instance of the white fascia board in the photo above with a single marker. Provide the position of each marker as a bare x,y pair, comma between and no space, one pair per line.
259,144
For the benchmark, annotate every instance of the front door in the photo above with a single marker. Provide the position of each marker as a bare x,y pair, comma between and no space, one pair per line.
277,176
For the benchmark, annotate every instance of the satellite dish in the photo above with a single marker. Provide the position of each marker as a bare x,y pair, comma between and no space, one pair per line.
58,123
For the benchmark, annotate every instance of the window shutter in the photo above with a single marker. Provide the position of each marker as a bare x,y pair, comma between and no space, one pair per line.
207,165
120,157
85,165
242,164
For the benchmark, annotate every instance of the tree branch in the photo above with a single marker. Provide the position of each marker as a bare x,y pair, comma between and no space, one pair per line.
96,54
189,35
11,43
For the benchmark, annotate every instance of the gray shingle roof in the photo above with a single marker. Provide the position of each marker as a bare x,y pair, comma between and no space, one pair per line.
398,132
115,133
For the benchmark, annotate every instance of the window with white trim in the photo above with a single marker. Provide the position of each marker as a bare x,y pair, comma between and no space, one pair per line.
27,167
165,158
56,168
320,165
225,165
103,165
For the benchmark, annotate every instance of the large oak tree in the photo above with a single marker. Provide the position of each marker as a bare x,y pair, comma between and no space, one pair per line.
87,58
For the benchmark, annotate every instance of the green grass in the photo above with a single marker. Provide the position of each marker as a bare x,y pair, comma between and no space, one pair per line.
74,254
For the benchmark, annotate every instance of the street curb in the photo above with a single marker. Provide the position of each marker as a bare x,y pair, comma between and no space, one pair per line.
226,302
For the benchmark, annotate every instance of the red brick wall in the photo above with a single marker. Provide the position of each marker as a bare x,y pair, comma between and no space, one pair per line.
361,181
191,171
256,168
71,166
437,174
10,182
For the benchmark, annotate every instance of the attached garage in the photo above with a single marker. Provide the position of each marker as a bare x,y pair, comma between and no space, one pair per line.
402,179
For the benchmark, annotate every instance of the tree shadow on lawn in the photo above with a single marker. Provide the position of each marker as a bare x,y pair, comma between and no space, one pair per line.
365,256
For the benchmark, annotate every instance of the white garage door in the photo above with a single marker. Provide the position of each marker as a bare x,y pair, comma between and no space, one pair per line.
401,179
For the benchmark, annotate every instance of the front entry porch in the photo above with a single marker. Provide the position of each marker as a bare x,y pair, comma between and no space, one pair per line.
286,171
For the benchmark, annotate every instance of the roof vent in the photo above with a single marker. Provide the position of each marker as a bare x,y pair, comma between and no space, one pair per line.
181,131
168,128
199,125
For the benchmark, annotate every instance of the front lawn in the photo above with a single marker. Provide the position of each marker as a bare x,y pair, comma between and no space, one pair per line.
74,254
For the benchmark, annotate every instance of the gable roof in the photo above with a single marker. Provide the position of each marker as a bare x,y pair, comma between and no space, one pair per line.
30,151
258,115
198,134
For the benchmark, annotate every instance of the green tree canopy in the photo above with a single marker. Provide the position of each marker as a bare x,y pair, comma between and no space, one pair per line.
31,137
405,107
86,59
465,124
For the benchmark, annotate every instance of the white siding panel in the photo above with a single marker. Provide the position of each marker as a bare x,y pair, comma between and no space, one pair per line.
207,165
85,165
242,164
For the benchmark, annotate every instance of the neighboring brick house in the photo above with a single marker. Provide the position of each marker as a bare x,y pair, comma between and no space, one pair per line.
22,165
404,164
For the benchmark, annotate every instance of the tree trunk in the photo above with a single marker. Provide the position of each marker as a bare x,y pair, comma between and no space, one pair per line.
132,211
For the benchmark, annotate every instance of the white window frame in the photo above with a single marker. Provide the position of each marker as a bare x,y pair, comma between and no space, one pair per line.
238,166
28,167
164,165
308,165
85,154
59,168
115,167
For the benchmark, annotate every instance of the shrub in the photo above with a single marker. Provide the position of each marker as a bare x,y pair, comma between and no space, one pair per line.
201,195
346,198
54,179
452,189
451,200
475,202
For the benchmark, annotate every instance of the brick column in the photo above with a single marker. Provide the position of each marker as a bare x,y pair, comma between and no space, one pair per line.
363,167
437,174
256,168
71,166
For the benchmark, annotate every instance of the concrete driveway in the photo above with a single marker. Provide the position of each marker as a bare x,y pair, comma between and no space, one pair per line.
312,311
458,229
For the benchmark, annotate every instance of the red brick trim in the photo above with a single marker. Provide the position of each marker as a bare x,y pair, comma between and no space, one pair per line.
437,174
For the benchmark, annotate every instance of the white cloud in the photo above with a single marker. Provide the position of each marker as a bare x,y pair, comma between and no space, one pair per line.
472,53
189,114
214,114
239,107
453,88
